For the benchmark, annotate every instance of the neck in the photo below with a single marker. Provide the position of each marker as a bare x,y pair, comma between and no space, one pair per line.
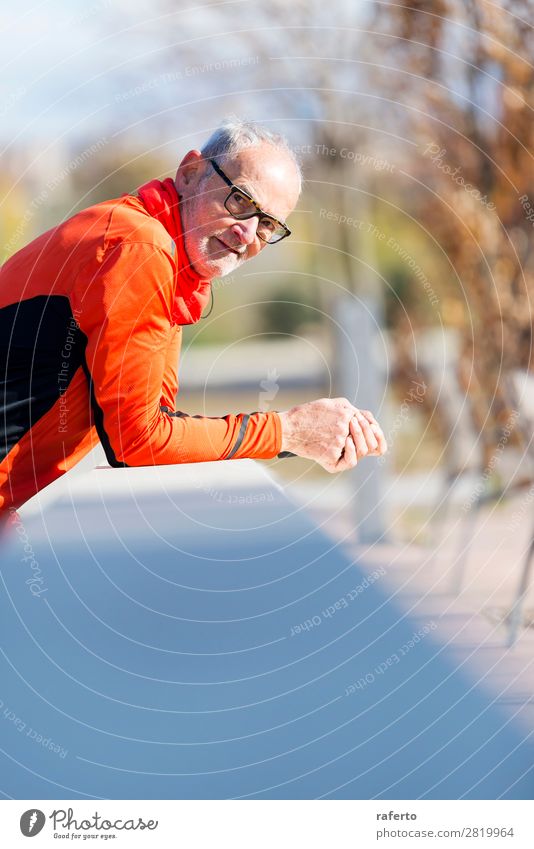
162,202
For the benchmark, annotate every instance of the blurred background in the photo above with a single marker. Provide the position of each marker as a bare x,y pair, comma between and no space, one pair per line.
406,285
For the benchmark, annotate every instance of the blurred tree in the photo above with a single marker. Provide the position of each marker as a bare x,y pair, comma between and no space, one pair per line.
461,74
288,313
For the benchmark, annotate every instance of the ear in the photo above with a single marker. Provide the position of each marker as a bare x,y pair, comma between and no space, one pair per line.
189,172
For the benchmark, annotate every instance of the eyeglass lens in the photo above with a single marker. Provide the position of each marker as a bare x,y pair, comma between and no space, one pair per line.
240,206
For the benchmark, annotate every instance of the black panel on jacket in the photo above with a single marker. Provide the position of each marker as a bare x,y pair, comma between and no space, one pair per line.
41,348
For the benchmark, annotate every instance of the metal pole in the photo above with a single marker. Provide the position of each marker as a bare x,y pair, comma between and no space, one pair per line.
516,613
361,379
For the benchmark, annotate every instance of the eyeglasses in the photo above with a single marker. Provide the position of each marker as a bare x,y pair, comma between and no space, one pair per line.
241,205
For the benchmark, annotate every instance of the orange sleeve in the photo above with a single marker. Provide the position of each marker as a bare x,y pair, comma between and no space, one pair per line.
125,311
169,386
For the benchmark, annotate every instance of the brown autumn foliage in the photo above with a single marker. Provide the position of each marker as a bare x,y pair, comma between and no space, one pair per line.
463,80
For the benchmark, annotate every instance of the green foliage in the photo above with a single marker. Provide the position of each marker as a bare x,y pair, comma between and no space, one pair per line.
287,311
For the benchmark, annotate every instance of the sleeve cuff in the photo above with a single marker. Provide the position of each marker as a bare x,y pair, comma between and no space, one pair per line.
277,432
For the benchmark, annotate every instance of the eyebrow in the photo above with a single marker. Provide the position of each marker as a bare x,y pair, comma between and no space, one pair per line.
251,193
245,188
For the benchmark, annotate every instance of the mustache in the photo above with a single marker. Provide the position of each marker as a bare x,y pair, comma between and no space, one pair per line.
240,250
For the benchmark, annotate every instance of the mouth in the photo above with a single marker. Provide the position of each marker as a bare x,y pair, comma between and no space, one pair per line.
228,248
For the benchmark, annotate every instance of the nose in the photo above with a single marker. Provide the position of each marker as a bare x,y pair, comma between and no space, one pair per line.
245,230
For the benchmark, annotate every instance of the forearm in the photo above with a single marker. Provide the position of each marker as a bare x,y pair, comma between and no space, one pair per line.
288,433
179,438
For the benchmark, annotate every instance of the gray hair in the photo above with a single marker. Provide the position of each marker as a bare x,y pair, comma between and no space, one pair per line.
235,134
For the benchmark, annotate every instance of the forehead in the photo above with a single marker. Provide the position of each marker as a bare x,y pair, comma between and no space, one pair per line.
269,175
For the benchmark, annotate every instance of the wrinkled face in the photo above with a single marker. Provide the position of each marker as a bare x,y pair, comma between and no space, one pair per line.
216,243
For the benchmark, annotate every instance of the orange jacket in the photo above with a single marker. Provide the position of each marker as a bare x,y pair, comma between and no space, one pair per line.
90,332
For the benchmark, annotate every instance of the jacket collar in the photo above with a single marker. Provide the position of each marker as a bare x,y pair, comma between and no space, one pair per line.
192,293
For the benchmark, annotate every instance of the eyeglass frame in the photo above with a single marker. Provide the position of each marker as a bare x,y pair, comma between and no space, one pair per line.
259,211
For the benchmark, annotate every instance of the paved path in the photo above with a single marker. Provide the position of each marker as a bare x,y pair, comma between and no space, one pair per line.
466,588
193,634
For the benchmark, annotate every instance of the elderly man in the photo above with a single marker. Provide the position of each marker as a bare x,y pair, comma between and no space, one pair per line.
91,315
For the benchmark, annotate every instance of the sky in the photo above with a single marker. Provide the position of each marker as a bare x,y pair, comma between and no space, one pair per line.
70,68
66,67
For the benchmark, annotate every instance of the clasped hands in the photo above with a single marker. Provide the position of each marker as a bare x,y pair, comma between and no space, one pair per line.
332,432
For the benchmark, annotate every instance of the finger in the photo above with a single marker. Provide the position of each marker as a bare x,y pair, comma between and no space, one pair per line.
369,416
360,442
382,442
370,438
349,458
377,430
